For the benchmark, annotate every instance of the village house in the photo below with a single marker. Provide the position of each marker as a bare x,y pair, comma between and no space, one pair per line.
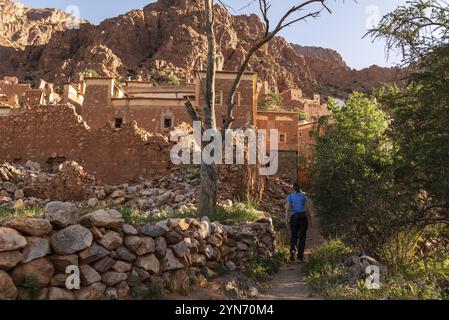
160,108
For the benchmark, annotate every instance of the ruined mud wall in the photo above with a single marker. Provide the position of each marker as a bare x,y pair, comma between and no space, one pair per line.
52,134
117,260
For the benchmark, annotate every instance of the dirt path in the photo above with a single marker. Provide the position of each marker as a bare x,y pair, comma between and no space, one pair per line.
288,283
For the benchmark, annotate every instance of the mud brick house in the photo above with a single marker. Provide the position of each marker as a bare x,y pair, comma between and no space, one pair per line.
287,125
294,100
245,109
159,109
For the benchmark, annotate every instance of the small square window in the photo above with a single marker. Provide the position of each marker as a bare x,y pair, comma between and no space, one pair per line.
168,123
218,97
282,138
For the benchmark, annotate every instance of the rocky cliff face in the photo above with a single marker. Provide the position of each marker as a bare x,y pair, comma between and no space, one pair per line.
162,40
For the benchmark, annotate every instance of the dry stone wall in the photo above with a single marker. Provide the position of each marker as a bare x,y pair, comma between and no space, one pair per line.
116,259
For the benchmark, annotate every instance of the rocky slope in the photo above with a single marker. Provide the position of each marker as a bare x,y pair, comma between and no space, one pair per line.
165,39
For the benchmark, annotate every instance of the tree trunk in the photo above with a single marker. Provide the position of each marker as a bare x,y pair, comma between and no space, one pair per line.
209,173
209,186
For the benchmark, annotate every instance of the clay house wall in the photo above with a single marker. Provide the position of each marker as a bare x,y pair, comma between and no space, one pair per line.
287,125
52,134
97,107
246,105
74,96
155,115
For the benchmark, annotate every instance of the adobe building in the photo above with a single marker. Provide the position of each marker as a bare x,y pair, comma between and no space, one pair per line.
287,125
312,109
158,109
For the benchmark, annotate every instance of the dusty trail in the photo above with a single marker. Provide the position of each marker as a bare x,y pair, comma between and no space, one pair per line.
288,283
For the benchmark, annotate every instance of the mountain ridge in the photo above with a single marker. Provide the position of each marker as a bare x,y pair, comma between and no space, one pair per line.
163,40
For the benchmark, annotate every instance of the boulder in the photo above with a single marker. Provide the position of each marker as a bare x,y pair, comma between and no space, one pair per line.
140,245
121,253
36,248
181,249
173,237
30,226
203,229
19,195
56,294
160,247
121,266
9,187
10,240
111,240
109,219
111,294
170,262
10,259
198,260
59,280
104,264
62,262
208,251
152,230
89,275
41,268
61,214
92,292
92,254
32,165
112,278
8,290
122,290
71,239
93,202
149,263
129,230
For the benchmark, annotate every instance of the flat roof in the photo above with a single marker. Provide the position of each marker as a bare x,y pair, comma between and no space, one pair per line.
226,71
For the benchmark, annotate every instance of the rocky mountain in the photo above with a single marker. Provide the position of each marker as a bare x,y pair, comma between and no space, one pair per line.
163,40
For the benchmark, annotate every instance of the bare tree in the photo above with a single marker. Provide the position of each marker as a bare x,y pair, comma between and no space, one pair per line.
298,12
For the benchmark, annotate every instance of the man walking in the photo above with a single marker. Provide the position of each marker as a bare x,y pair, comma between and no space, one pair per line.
298,216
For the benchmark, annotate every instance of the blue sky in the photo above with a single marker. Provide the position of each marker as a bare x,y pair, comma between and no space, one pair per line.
342,31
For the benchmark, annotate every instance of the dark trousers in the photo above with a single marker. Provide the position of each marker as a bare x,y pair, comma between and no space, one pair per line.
298,226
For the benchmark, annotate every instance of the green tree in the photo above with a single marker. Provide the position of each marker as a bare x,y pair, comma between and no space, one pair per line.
352,173
420,112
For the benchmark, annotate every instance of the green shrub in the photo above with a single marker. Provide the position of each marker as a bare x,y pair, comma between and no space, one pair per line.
9,212
133,216
260,268
326,274
32,285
